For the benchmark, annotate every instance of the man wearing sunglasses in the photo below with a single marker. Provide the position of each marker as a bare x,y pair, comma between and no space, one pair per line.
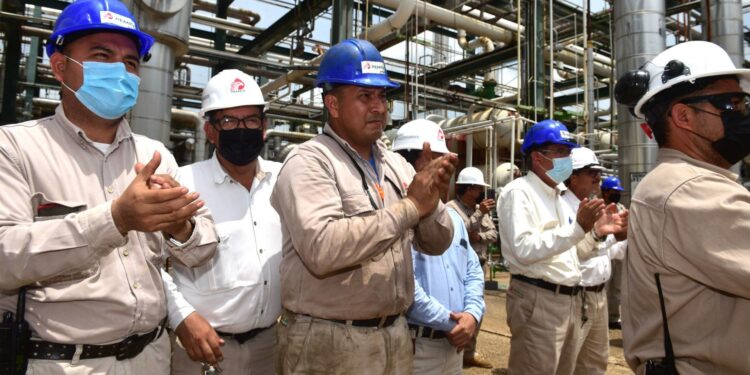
226,311
689,217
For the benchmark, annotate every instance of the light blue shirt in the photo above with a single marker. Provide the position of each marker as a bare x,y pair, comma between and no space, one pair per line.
452,282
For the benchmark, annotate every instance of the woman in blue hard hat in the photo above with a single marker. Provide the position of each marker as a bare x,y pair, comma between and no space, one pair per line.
78,219
350,210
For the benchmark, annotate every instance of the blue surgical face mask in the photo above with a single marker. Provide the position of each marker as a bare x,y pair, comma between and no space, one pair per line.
108,89
561,170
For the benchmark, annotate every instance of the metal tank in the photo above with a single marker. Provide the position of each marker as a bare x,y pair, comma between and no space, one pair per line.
639,37
169,23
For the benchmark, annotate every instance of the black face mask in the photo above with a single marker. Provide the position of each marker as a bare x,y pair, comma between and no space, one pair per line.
614,197
240,146
735,144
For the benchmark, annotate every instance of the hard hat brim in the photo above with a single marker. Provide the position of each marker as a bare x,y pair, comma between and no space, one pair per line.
145,41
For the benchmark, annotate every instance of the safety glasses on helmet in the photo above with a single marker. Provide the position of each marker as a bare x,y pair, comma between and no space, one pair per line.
730,101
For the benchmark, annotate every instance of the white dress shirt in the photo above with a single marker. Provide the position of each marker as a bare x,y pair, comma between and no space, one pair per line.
539,232
239,289
597,270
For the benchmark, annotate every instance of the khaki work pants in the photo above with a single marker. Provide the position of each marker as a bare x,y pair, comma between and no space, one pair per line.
153,360
613,291
436,357
314,346
256,356
545,329
594,353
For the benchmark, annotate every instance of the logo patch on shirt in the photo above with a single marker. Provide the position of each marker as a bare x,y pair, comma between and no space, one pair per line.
463,243
111,18
373,67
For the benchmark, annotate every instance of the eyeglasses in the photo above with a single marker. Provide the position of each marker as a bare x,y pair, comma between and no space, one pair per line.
593,173
231,123
730,101
555,151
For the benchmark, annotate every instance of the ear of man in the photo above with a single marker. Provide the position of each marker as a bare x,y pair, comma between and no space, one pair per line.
683,117
331,102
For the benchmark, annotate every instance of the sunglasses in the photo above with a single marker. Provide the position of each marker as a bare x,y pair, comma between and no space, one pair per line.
730,101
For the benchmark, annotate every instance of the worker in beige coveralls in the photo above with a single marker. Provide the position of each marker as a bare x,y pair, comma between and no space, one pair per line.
350,211
80,226
689,218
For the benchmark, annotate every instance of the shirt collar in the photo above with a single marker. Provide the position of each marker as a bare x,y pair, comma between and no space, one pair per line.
666,154
378,150
123,129
221,176
538,184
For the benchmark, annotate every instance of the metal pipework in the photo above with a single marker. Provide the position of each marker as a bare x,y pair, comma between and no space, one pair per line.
455,20
727,29
639,37
242,14
392,23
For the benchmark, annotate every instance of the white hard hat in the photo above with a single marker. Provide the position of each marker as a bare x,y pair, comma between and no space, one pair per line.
229,89
504,173
413,134
471,176
684,62
583,157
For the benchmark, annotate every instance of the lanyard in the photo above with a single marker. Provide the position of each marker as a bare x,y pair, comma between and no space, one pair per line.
366,187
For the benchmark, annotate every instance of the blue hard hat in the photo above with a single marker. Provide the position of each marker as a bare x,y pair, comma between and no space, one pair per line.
354,62
612,183
547,132
104,15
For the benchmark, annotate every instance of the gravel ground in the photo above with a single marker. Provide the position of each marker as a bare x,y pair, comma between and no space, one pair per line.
494,338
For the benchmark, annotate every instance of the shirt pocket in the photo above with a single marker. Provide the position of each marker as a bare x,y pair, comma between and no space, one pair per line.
355,204
46,209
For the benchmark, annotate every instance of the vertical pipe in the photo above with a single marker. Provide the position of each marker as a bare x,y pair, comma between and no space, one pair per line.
726,28
11,68
639,37
31,63
343,23
551,61
151,116
518,56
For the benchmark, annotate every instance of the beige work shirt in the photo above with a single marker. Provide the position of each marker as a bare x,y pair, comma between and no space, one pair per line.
342,258
479,222
88,284
689,222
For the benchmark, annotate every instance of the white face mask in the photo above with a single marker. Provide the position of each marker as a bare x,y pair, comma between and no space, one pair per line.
561,170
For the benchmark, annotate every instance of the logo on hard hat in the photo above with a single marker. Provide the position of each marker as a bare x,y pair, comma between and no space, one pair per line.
112,18
373,67
441,135
565,134
237,86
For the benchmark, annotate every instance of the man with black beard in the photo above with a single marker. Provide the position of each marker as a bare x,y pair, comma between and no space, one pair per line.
689,217
227,309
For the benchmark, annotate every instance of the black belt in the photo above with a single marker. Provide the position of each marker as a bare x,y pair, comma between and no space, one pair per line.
125,349
595,288
385,321
244,336
561,289
427,332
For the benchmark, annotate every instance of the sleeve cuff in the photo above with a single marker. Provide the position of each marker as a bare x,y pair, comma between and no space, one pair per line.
411,217
101,231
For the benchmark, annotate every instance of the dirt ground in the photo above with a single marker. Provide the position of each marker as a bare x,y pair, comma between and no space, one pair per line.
494,338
